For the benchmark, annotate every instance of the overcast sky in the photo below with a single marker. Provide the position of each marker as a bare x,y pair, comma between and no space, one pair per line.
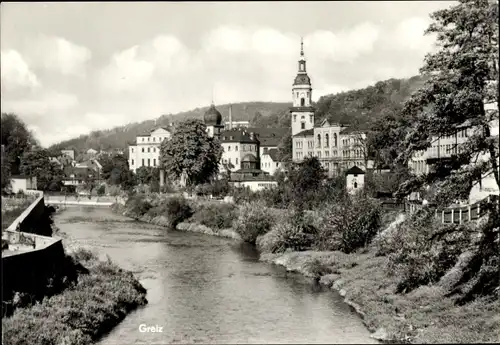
69,68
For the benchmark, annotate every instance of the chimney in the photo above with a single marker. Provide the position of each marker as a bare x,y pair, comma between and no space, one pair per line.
251,136
230,118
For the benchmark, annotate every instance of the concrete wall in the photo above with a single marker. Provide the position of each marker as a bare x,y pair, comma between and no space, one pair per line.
31,259
31,218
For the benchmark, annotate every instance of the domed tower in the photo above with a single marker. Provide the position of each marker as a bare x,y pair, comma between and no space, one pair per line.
302,112
213,121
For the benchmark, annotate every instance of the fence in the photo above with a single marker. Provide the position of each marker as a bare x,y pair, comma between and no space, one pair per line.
458,214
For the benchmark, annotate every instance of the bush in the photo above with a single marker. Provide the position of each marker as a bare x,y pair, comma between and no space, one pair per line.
216,215
349,225
101,190
253,220
175,209
137,205
422,249
295,230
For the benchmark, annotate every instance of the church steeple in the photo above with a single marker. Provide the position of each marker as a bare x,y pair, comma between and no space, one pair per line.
302,111
302,59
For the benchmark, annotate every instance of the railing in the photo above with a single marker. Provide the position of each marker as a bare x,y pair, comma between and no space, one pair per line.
458,214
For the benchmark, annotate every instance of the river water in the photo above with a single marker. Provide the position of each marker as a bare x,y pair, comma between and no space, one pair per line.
205,289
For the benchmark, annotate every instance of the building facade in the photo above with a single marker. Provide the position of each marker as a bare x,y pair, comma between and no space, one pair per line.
336,146
146,149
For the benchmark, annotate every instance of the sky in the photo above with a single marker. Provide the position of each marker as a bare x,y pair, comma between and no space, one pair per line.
70,68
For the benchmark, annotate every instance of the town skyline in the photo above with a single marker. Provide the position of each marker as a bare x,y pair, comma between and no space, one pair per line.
109,74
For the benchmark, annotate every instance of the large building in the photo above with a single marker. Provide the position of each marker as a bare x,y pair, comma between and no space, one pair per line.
336,146
146,151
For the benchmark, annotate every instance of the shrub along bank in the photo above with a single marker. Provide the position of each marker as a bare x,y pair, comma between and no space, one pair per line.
418,281
100,299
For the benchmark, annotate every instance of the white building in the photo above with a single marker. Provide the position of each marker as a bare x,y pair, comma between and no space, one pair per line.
355,180
146,151
336,146
69,153
20,183
270,162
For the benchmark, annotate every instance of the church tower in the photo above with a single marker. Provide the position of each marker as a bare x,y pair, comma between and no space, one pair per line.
302,112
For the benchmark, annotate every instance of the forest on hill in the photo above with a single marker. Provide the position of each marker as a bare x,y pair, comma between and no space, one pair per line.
355,107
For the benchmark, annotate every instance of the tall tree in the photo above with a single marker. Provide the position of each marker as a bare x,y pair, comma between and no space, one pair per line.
463,80
192,152
285,148
16,139
37,163
462,88
305,179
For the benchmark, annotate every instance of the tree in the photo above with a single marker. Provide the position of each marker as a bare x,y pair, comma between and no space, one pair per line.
462,81
285,148
191,151
48,174
16,139
305,179
463,76
115,170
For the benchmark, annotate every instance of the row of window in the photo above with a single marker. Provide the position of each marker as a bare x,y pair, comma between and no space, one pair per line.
269,164
132,162
245,148
345,154
160,139
419,167
143,149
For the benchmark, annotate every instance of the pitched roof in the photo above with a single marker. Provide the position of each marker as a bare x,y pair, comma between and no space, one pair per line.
269,132
239,136
273,153
306,133
354,171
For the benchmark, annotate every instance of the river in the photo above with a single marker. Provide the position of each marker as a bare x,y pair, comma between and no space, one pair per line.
205,289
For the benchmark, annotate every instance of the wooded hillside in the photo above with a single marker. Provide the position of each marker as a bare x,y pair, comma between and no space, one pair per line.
352,107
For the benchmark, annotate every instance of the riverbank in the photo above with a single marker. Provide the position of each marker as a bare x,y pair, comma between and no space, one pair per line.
190,224
82,313
424,315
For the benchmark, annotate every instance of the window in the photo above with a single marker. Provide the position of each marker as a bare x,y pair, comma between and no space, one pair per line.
303,125
327,140
327,154
132,162
154,139
355,184
302,102
148,139
236,148
236,160
143,162
294,118
154,149
143,149
229,148
142,139
154,162
310,118
149,162
277,165
229,160
319,141
132,150
149,150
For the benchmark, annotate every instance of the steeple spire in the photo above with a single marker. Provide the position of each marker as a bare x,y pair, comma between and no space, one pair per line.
301,46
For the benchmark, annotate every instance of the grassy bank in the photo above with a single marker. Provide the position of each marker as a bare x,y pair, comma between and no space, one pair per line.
425,315
82,313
